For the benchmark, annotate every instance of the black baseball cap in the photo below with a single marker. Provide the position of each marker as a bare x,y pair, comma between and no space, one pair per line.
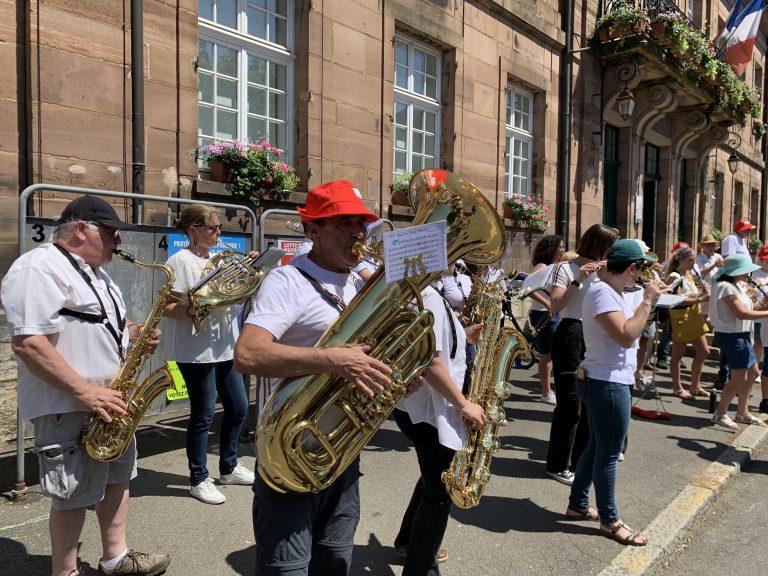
96,210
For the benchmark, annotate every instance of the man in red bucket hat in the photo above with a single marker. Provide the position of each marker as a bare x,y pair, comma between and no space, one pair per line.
736,242
310,533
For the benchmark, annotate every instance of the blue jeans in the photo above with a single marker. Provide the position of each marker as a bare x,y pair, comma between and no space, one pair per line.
665,344
608,408
204,381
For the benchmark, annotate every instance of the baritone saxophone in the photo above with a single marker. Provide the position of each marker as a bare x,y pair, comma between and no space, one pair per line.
498,349
106,441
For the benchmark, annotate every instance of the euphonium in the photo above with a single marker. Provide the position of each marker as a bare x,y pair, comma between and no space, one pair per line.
498,348
312,428
108,440
228,278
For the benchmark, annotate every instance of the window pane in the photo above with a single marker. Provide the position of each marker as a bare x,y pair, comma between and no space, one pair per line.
277,106
271,5
430,119
416,163
205,9
280,32
524,149
419,61
418,119
401,114
431,89
226,93
257,70
277,134
400,161
257,23
429,145
257,101
517,148
418,83
257,129
205,121
401,77
206,55
418,142
431,65
260,3
276,76
401,53
282,7
205,90
400,138
226,13
226,125
226,61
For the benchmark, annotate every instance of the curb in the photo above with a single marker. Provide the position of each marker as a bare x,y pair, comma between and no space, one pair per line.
667,529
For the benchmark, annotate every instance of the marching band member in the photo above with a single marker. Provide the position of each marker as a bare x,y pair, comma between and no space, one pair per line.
310,533
68,327
206,361
569,433
708,260
455,288
613,320
432,418
736,241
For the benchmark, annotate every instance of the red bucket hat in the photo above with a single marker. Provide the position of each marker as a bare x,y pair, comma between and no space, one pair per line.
337,198
743,225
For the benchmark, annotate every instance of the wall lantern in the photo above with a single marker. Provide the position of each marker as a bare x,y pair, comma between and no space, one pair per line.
733,163
626,104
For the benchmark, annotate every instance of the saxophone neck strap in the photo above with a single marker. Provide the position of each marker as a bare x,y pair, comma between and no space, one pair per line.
103,319
449,312
322,290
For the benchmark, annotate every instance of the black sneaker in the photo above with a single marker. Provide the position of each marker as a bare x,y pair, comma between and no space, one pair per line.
763,406
662,364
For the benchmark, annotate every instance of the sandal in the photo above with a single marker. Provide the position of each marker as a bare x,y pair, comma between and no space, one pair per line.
612,532
701,393
683,394
577,515
725,421
750,419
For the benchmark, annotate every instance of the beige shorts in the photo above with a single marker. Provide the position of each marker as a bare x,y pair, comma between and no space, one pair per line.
67,474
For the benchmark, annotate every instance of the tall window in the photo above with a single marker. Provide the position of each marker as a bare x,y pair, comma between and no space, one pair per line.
245,71
518,150
417,106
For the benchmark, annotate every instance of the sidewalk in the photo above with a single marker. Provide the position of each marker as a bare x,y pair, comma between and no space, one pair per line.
516,530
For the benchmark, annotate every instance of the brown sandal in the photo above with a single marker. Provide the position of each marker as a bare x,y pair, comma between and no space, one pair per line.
612,532
589,514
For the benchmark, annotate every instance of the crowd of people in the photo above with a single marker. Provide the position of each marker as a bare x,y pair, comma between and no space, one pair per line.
595,314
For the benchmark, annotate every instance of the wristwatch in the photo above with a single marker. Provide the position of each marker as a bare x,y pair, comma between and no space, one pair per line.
576,283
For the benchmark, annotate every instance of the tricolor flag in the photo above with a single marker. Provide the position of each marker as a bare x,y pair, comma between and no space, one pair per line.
737,39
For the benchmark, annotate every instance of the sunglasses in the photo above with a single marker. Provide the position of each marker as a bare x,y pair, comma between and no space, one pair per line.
109,231
213,228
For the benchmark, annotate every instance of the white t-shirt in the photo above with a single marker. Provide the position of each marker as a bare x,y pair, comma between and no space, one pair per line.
38,285
604,358
293,311
563,277
216,340
703,262
456,288
734,244
720,315
426,404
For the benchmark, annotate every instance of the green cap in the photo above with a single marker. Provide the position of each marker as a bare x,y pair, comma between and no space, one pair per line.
627,250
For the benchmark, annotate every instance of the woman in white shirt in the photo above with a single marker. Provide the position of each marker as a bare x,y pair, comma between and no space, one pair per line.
613,320
732,314
433,419
205,360
569,433
679,271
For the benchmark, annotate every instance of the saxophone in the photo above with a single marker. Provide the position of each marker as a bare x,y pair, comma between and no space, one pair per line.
470,472
313,427
106,441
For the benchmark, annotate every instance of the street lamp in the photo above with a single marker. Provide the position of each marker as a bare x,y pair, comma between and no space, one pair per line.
626,104
733,162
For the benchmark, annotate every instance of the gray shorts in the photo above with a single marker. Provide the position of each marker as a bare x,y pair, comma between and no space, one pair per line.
67,474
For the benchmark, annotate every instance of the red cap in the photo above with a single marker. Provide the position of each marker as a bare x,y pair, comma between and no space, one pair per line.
337,198
679,245
743,225
762,254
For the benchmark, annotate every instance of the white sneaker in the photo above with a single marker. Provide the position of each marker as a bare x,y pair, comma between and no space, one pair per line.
621,456
207,492
240,475
549,398
564,477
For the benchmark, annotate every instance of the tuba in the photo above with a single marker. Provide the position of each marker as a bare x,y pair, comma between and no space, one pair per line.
313,427
228,278
498,349
108,440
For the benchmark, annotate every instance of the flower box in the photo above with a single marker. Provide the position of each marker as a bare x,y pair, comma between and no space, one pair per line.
219,171
400,198
612,32
659,33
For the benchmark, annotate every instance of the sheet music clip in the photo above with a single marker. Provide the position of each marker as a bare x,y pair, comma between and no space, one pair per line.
413,267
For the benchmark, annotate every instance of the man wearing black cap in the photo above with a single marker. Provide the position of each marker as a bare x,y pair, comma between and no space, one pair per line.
67,320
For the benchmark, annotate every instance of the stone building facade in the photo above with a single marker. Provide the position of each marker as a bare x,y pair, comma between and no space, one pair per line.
362,89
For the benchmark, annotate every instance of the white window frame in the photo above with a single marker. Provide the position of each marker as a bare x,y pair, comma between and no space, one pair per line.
413,99
513,134
246,44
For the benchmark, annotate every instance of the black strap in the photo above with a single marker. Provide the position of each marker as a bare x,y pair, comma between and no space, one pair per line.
458,284
324,292
454,337
117,335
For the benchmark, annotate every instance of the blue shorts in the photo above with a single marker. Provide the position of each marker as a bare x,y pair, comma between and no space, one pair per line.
738,349
546,332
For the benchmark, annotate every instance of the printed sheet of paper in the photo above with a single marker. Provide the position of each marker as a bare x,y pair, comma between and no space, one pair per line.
669,300
416,250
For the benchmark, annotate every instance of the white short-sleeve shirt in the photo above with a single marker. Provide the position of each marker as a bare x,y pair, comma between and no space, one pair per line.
720,314
216,340
37,286
293,311
426,404
562,278
703,262
734,244
456,288
604,358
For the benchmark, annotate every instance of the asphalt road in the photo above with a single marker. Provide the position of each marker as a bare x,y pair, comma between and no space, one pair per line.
516,530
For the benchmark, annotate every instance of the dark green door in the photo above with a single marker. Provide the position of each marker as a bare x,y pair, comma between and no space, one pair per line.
650,189
610,175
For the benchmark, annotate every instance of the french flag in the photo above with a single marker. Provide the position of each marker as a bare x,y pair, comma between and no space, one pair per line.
737,39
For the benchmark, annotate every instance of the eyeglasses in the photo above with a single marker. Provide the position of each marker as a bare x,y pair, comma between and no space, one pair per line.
109,231
212,228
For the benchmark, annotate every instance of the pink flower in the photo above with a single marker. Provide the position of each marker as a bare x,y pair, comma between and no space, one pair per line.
276,168
269,180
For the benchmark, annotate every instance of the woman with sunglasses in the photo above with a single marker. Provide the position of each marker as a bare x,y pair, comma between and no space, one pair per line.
205,360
